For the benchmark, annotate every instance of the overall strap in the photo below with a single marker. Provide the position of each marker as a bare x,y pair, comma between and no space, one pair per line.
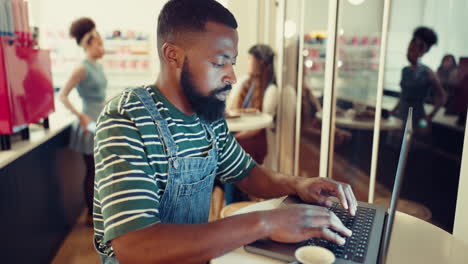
160,122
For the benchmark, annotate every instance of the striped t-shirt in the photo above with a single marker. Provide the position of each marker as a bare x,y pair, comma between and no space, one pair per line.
131,164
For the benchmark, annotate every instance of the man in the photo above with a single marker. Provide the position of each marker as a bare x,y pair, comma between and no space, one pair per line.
158,150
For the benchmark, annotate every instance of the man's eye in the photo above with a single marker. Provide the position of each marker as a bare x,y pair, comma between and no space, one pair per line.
216,65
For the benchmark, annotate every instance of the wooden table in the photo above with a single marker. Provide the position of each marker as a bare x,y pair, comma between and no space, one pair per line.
392,123
249,121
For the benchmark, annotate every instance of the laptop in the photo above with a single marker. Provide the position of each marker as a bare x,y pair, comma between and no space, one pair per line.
371,226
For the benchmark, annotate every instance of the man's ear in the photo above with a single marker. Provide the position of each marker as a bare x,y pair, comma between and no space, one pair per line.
173,55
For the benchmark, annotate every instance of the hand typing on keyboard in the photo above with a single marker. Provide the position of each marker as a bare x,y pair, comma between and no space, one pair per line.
296,223
356,246
317,190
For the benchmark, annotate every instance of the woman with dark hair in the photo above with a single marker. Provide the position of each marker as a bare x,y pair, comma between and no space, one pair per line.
447,73
417,80
257,93
91,82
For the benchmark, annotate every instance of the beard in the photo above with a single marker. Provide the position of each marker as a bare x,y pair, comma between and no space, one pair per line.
208,108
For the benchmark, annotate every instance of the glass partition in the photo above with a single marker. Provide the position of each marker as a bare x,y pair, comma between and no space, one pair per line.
373,86
426,68
354,91
358,58
289,70
313,82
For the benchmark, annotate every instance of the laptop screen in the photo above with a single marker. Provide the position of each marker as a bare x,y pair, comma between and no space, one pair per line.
396,186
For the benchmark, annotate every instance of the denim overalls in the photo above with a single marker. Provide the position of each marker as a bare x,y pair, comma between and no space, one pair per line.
187,197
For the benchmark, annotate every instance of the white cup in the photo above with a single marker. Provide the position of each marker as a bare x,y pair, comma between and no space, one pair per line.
314,255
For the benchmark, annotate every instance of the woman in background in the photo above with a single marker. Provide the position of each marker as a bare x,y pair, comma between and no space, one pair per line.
256,93
447,73
90,82
417,79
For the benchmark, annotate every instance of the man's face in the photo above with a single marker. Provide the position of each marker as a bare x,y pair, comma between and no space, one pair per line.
208,72
209,107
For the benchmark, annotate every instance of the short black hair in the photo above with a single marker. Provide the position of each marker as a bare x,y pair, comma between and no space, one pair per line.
80,27
190,16
427,35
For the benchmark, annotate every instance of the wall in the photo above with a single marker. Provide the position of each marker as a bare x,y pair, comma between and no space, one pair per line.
288,97
116,14
109,15
267,22
452,33
404,16
246,14
362,19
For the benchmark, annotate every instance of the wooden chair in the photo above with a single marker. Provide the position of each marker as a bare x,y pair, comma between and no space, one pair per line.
230,209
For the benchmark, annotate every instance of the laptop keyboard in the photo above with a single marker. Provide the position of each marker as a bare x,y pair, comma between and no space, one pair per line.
355,248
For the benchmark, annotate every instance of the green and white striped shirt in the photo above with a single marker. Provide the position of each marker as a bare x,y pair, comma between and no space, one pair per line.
131,164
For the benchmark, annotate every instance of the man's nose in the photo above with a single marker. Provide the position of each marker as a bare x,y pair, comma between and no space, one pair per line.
230,75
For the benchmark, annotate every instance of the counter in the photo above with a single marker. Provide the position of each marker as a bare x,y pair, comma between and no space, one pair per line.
41,192
59,121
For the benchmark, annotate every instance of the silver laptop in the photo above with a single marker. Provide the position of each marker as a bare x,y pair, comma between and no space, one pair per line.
371,226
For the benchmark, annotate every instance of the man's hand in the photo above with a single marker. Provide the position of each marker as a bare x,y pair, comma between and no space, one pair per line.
297,223
317,190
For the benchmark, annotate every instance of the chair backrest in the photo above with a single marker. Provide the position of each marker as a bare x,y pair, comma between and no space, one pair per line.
232,208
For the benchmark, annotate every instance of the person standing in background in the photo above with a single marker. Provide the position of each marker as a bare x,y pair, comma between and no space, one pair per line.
91,82
417,80
447,73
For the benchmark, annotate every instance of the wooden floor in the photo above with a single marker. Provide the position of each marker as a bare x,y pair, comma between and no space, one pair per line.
342,170
78,247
